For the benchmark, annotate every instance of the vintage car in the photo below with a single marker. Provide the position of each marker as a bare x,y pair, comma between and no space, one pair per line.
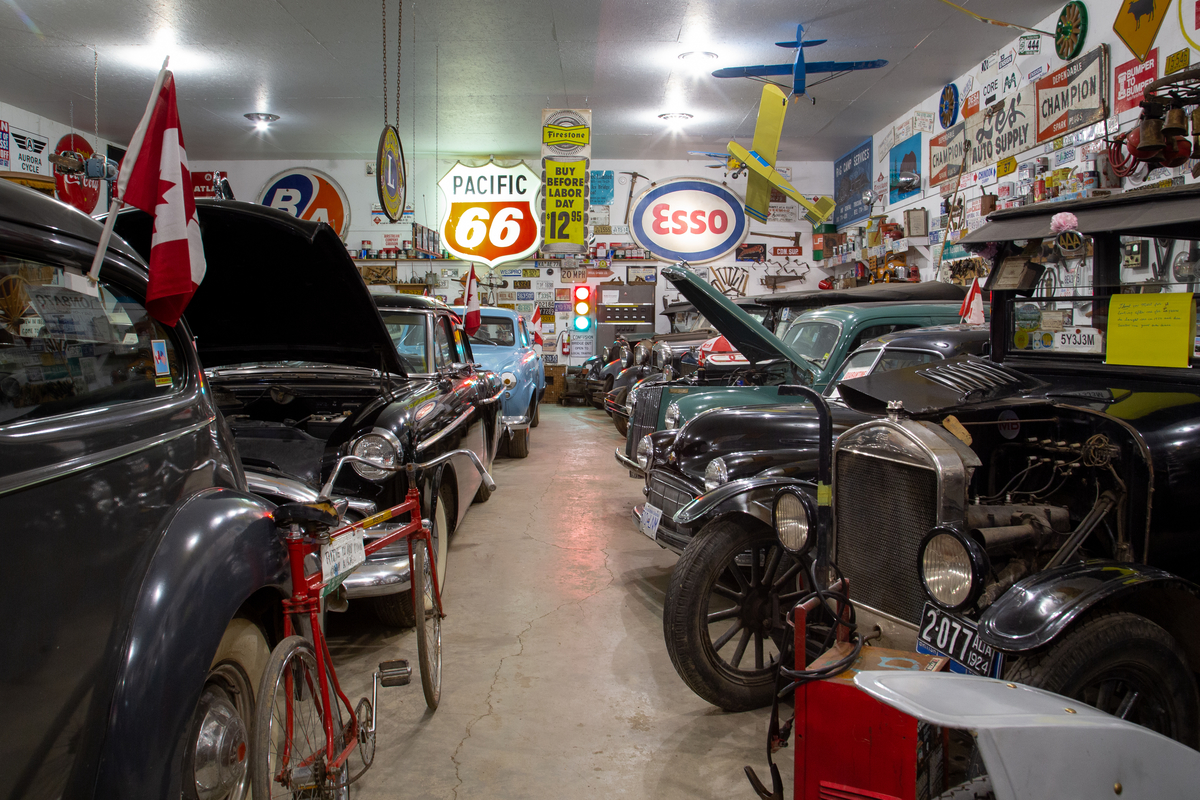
1030,515
146,578
504,345
305,369
602,372
726,466
809,352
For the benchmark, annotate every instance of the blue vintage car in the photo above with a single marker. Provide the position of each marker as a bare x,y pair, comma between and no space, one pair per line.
504,345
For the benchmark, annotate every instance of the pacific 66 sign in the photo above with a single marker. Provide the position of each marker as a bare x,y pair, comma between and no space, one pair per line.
688,219
491,215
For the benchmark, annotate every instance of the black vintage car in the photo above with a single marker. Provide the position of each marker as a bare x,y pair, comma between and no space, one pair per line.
725,466
1030,515
306,370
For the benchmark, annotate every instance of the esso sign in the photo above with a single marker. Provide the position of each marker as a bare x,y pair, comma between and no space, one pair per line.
688,219
491,212
76,190
309,194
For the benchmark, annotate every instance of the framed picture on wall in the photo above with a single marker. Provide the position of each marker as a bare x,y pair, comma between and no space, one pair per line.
641,275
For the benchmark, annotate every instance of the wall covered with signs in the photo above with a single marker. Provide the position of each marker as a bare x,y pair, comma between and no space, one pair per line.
1023,103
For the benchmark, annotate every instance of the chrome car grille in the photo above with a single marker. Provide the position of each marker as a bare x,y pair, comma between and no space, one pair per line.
876,546
669,494
644,418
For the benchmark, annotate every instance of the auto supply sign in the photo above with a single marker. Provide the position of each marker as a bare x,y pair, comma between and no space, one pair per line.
492,213
688,219
309,194
1074,96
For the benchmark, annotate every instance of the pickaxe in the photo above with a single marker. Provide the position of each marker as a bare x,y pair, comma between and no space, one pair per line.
633,176
795,240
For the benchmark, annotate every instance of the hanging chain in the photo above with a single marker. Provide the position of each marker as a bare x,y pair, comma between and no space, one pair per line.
399,47
383,33
96,96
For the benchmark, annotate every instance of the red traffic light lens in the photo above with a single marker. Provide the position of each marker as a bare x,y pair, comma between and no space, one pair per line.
583,293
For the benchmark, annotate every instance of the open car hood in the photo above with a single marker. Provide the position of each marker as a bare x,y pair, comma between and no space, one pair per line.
940,386
275,288
743,331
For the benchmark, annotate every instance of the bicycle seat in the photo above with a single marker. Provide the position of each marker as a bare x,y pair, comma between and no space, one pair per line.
315,517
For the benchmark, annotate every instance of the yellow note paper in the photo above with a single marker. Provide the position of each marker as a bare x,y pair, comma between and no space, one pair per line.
1151,330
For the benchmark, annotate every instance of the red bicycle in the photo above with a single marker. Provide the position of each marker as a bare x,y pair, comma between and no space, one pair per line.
302,746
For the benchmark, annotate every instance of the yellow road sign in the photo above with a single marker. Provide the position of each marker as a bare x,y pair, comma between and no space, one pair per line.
1138,22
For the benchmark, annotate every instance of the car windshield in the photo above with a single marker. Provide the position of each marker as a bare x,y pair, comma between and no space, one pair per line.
407,330
495,331
688,321
856,365
812,339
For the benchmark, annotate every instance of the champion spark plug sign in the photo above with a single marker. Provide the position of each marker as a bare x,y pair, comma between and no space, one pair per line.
688,219
491,213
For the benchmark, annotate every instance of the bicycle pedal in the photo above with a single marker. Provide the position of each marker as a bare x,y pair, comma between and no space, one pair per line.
395,673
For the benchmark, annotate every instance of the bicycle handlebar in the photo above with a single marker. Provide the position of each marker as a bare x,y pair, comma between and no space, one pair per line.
410,467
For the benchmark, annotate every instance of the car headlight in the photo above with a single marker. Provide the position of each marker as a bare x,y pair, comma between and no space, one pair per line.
629,402
645,452
673,417
374,447
715,474
791,518
953,568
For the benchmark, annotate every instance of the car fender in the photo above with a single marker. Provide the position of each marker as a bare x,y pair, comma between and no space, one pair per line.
219,548
751,496
1038,609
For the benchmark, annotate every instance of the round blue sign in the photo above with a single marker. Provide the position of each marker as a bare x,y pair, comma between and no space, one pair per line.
688,219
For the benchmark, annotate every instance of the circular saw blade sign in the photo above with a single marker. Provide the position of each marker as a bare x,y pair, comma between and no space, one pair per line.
688,219
491,213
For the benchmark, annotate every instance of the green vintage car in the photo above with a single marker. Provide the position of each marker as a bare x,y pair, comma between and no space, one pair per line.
808,351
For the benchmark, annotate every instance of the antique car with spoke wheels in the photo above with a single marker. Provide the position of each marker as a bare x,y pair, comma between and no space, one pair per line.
709,489
1030,515
306,369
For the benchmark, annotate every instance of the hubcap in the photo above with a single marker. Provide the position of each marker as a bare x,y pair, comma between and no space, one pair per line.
220,746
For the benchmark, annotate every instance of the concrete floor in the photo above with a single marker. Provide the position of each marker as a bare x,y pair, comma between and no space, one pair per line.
556,682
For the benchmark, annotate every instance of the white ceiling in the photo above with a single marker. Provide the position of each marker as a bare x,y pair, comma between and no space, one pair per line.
476,73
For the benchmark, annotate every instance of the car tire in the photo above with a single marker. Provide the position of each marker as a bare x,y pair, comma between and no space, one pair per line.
518,444
978,789
705,573
482,493
622,424
396,610
1104,658
608,386
233,678
533,412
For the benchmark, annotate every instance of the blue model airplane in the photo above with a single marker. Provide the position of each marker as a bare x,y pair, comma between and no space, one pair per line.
798,69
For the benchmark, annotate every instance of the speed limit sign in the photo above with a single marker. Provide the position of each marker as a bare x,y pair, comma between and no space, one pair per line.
491,213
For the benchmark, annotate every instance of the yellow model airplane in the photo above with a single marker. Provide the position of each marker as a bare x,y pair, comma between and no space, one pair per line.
760,160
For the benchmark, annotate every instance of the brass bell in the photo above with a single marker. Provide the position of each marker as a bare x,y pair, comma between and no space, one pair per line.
1177,122
1151,134
1196,121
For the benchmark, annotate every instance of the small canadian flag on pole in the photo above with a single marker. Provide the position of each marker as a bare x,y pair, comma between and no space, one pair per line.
155,178
471,301
535,325
971,310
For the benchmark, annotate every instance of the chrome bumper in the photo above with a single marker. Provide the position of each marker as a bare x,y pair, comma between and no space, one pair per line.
375,578
514,424
635,470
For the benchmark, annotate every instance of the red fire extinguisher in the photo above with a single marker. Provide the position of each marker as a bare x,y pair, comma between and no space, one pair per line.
566,344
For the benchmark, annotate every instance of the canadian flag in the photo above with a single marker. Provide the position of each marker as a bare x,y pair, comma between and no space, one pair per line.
971,310
535,325
471,301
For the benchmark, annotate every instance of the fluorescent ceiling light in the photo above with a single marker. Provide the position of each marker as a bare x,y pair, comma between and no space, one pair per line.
675,116
261,119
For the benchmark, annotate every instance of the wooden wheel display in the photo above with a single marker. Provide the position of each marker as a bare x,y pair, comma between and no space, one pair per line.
1071,31
14,302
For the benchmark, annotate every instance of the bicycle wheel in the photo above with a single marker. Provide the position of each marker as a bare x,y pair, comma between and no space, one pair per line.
429,626
287,757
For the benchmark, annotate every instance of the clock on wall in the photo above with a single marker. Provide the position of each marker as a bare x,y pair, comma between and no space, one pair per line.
948,105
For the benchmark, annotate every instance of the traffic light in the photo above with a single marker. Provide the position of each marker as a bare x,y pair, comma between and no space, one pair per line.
585,306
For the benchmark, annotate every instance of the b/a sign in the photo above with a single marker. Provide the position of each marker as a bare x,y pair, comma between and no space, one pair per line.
688,219
491,215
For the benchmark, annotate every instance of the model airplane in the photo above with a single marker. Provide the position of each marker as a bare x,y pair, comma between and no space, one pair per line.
798,69
761,162
723,161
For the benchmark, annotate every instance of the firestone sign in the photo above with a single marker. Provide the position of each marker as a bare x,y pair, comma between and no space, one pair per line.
688,219
491,212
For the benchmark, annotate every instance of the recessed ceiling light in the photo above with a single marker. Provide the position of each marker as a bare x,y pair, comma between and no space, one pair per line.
698,55
675,116
261,119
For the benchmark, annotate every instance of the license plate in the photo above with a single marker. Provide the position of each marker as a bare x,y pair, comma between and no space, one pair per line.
648,525
942,633
341,555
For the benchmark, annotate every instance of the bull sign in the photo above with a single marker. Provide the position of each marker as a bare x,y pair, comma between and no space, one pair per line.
688,219
491,213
